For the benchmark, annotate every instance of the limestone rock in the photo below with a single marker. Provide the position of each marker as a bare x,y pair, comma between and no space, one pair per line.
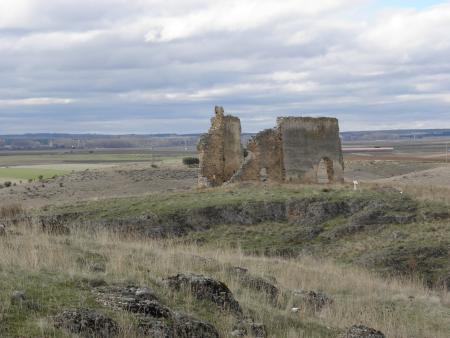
154,318
361,331
18,297
255,282
249,328
87,323
206,288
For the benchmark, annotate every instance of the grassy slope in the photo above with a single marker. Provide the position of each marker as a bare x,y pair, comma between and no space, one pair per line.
53,271
412,249
170,202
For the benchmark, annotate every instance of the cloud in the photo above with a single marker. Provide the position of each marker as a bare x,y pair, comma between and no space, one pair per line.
115,64
36,101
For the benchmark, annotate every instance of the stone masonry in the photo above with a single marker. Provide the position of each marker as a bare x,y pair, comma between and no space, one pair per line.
290,152
220,150
305,142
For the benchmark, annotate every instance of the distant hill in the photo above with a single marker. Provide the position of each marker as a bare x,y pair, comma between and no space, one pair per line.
89,141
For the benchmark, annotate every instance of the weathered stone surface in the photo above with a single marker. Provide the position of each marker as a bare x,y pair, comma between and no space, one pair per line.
255,282
87,323
305,142
132,299
188,327
264,160
220,150
206,288
294,151
361,331
248,328
18,297
154,318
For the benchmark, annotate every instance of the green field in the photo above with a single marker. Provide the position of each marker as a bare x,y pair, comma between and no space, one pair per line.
12,173
34,158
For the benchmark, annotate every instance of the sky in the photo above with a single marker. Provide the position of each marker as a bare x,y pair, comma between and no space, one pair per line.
160,66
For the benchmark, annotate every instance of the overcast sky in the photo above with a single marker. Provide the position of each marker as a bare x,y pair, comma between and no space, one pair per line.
156,66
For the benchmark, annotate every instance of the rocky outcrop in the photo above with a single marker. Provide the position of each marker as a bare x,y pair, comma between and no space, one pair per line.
87,323
206,288
256,283
361,331
154,319
309,213
248,328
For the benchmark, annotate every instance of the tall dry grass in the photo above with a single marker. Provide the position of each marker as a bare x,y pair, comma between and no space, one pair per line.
11,211
398,307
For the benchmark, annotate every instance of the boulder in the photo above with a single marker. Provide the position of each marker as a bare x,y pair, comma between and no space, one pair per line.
248,328
205,288
18,298
86,323
361,331
256,283
189,327
133,299
154,318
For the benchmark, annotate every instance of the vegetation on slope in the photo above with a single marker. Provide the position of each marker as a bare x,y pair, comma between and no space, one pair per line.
59,272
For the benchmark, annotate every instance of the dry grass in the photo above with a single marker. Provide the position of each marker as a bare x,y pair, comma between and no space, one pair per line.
399,308
11,211
430,193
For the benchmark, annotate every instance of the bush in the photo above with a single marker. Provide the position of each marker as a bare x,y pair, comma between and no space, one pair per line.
191,161
7,184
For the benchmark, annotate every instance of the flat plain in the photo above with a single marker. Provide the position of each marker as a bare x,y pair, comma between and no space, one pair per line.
101,220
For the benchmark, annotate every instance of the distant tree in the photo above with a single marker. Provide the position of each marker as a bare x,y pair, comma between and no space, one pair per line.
191,161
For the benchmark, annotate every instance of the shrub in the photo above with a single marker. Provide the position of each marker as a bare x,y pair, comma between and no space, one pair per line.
191,161
7,184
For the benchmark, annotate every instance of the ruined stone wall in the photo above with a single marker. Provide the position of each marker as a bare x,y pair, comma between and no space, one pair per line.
291,152
220,150
264,160
305,142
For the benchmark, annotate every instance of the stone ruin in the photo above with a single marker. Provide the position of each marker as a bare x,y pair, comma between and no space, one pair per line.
293,151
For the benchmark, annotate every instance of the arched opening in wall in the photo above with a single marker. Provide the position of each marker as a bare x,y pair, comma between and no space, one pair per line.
325,171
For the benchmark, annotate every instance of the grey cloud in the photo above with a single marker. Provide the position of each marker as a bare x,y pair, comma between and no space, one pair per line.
98,56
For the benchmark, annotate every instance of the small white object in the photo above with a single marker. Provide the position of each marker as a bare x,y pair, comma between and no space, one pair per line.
295,309
355,185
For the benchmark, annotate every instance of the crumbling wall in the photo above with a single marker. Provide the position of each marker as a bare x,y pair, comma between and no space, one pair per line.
305,142
291,152
264,160
220,150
